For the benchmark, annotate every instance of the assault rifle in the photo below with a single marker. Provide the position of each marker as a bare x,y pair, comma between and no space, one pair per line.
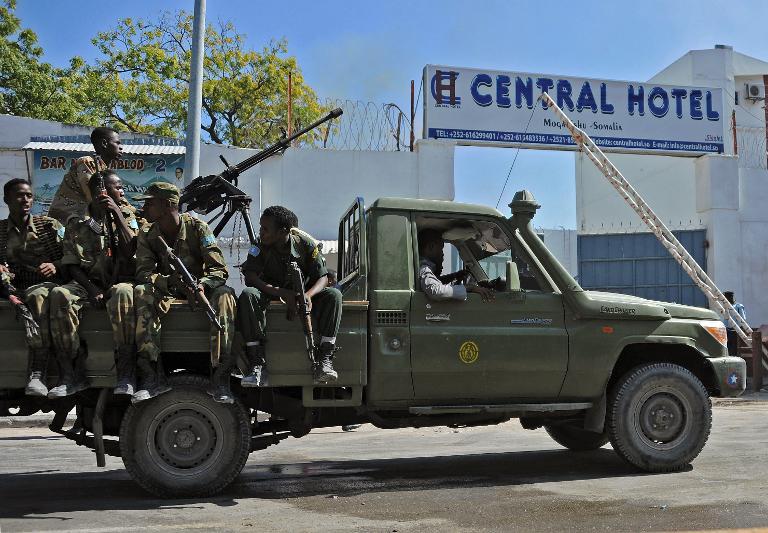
296,283
204,194
190,283
22,311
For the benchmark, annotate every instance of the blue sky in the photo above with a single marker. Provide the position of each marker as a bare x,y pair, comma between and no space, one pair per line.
370,51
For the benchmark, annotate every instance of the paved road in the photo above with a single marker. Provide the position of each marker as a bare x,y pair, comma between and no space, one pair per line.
499,478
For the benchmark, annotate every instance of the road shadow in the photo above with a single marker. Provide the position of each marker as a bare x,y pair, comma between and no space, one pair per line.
114,490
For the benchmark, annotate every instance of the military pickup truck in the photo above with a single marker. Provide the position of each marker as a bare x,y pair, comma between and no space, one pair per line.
587,367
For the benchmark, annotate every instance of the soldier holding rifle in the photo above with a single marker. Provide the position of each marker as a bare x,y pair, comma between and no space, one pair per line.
267,275
193,243
99,256
30,257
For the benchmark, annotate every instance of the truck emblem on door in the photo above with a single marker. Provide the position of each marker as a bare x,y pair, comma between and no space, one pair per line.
469,352
440,317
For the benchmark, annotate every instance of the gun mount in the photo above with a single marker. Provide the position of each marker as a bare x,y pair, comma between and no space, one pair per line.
208,193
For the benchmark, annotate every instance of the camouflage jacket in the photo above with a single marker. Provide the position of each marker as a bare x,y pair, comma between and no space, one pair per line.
271,263
85,246
24,249
195,245
72,197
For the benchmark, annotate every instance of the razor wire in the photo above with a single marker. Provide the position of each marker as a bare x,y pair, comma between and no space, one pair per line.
364,126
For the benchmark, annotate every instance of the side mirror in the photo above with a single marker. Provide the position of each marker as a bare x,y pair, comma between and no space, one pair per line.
513,277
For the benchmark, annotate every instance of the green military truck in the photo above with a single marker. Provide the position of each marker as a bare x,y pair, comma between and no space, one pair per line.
588,367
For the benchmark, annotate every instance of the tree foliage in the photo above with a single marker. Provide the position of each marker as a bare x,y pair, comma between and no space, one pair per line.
29,86
142,81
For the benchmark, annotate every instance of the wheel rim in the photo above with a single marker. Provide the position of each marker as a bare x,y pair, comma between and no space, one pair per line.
185,439
661,418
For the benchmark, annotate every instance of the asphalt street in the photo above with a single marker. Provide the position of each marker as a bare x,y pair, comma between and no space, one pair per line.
499,478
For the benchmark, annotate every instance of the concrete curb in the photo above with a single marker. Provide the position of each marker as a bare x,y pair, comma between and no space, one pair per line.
38,420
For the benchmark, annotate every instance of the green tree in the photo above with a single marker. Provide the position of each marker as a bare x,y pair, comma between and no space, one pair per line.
28,86
141,82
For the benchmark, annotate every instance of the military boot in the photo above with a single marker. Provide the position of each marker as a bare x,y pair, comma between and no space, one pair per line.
151,379
257,363
324,372
71,377
126,370
219,388
37,370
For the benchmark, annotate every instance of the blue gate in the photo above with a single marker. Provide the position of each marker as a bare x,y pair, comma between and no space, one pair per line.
637,264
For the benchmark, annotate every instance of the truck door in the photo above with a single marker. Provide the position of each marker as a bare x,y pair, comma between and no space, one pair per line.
513,347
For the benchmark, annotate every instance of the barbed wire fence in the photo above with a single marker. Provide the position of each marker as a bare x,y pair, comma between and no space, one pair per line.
365,126
751,146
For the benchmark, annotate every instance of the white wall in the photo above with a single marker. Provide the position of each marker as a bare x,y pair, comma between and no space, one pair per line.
563,245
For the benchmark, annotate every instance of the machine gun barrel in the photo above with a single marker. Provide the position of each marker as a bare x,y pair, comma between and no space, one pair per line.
190,283
297,284
194,195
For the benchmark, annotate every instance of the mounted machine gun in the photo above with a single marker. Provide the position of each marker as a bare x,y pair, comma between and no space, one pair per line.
205,194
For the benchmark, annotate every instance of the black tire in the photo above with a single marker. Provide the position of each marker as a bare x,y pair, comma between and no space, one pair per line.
182,443
659,417
576,438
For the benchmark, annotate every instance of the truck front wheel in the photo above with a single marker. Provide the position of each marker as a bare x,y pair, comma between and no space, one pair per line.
182,443
576,438
659,417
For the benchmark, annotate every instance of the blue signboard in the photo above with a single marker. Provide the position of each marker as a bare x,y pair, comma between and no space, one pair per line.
137,172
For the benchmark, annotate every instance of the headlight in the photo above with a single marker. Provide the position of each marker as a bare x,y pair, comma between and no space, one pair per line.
717,330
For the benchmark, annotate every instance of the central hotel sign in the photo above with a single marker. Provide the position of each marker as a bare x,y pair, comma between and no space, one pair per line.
484,107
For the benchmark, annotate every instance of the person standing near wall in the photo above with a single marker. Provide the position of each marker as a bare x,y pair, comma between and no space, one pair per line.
732,337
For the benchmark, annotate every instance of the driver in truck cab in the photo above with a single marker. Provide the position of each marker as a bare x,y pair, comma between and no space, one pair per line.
450,286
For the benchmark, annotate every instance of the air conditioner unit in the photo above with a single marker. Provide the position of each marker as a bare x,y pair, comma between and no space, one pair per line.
754,91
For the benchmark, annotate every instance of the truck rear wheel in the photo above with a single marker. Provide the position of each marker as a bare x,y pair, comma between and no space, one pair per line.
182,443
659,417
576,438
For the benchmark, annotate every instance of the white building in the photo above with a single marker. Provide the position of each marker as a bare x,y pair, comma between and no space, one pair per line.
722,196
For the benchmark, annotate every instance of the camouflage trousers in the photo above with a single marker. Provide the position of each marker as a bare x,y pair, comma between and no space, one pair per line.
152,305
66,303
36,298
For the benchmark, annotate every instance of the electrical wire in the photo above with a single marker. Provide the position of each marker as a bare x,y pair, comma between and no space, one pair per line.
501,194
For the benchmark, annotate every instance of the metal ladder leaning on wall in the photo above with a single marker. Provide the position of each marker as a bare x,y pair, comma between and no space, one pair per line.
663,234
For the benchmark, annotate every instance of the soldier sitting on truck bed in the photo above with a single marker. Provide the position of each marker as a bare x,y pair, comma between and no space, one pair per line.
73,196
30,251
194,243
266,278
99,253
436,287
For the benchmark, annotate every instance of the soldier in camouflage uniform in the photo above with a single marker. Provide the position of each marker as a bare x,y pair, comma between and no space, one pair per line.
194,243
265,273
73,196
30,253
99,255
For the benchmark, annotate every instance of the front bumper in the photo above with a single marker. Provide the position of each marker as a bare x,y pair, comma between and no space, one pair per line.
730,375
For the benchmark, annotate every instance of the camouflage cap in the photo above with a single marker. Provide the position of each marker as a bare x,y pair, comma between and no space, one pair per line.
162,190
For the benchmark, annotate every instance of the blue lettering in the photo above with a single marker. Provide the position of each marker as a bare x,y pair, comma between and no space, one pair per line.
545,84
658,102
605,107
679,95
711,113
524,89
481,80
635,99
564,94
502,91
586,99
695,102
